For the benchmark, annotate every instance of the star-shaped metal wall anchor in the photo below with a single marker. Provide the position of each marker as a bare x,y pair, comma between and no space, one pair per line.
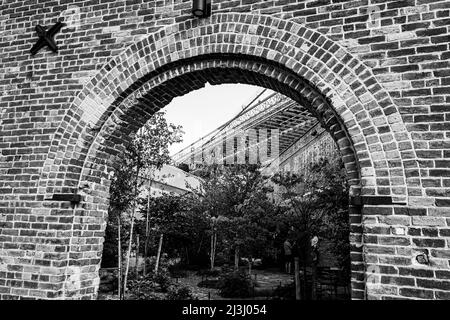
46,37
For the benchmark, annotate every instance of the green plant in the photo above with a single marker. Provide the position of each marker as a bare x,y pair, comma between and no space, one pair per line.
235,285
150,287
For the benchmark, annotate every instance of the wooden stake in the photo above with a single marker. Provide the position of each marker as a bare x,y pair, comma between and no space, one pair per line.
236,259
137,254
314,282
297,279
158,257
211,254
147,227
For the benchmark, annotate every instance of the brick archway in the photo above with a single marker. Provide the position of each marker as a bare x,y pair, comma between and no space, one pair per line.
284,56
231,48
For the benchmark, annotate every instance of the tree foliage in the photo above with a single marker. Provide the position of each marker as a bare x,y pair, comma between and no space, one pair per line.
235,200
316,203
148,149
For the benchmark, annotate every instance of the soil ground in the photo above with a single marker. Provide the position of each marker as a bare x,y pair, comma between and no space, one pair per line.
266,280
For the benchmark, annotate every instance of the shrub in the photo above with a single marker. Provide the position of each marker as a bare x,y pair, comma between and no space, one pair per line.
164,281
164,263
108,281
209,283
181,293
285,292
235,285
150,287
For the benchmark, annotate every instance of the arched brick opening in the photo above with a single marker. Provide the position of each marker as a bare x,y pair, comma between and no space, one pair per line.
130,112
284,56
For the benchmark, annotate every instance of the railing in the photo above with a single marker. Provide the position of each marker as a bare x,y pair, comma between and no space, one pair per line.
264,109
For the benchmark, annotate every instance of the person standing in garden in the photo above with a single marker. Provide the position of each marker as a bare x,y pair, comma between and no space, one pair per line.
287,246
315,249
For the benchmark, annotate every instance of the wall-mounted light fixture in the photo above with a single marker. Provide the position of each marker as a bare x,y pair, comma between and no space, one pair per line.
201,8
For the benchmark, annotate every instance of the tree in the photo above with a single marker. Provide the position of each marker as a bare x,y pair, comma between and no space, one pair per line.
317,204
121,198
235,201
329,177
173,221
147,151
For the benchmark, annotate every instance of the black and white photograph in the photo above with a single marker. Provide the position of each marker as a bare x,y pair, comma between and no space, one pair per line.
221,157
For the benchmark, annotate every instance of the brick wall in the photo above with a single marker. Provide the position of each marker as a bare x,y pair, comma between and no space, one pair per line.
378,80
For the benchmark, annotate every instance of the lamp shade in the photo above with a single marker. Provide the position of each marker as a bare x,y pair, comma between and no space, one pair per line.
201,8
